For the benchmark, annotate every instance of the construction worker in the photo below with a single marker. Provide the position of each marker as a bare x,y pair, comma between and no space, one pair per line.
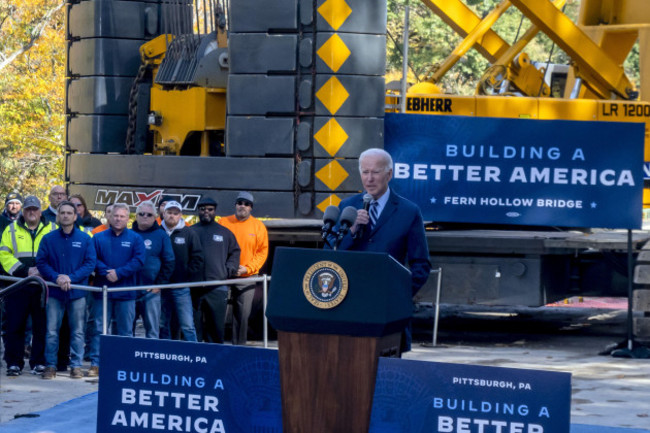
253,241
18,249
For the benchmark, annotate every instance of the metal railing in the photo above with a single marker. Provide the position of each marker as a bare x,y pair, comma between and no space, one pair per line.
105,290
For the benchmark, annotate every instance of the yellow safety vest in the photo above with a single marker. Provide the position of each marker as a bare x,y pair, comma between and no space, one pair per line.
19,247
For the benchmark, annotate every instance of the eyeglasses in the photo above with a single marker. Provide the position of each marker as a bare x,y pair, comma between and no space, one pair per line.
207,208
59,194
79,205
244,203
145,214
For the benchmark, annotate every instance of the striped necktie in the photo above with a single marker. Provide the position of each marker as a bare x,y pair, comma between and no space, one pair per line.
374,215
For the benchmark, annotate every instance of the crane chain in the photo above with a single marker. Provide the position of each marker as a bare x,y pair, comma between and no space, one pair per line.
133,108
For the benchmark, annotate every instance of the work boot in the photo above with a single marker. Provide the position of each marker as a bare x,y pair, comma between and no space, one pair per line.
76,373
49,373
93,371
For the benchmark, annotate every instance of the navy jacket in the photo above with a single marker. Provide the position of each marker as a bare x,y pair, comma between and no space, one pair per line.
159,262
398,232
49,215
124,253
66,254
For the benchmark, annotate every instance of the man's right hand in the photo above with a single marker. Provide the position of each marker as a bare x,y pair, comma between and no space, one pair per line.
33,271
362,219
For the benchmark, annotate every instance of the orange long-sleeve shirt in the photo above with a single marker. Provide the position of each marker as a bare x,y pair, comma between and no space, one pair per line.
252,239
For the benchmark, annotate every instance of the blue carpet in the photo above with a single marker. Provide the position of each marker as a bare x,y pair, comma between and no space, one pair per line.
80,416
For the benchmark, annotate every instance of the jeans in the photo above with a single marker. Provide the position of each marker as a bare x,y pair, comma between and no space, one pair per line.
149,306
181,301
123,311
76,309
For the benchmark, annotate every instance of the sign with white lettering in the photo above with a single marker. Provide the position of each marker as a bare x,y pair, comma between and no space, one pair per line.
415,396
519,171
151,385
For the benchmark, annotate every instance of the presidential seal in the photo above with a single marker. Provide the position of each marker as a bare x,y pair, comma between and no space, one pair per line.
325,284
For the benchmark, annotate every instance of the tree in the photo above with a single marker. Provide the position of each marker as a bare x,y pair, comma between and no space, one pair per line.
32,77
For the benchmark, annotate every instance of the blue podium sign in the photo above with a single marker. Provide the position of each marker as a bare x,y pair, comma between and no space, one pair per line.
519,171
148,385
415,396
152,385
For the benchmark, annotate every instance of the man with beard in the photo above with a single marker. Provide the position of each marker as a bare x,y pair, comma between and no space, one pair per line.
221,253
188,267
18,249
13,204
253,240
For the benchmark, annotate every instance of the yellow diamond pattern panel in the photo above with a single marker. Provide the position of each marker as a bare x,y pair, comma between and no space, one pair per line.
331,136
335,12
334,52
332,200
332,95
332,175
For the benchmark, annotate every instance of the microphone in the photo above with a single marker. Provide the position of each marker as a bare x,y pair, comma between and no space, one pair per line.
330,217
367,199
348,217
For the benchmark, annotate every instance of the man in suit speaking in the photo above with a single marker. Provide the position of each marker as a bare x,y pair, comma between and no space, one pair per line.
387,222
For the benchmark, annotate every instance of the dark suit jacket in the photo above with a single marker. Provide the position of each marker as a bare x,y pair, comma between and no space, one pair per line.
398,232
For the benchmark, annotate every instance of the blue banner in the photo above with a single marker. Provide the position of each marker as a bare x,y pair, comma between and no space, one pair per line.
519,171
152,385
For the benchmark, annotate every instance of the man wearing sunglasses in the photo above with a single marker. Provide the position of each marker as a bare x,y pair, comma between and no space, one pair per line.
253,241
158,266
221,253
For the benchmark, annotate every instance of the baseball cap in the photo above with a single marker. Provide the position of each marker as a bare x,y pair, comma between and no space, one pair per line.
245,195
13,196
31,201
165,198
207,201
171,204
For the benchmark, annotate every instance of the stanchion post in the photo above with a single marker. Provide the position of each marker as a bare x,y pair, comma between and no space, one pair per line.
437,310
265,286
104,310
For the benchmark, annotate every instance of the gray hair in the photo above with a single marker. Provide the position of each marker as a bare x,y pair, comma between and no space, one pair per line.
146,203
374,151
117,206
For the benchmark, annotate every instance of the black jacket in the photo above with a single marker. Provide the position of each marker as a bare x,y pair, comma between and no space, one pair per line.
89,221
189,256
220,249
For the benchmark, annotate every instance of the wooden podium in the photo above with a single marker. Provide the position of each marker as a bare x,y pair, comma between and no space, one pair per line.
336,312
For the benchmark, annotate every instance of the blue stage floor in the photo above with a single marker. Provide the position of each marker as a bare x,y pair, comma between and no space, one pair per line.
80,416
